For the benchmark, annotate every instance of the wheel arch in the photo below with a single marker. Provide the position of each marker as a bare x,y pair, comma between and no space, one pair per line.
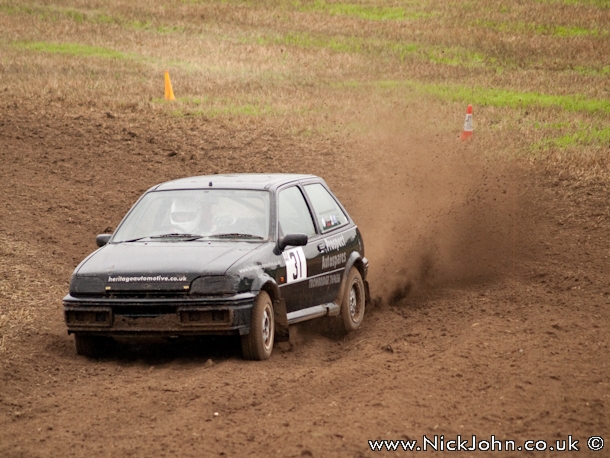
361,263
280,315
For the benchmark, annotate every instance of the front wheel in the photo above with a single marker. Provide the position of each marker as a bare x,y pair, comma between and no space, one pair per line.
352,307
258,344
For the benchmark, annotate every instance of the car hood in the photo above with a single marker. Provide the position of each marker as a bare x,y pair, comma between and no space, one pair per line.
162,265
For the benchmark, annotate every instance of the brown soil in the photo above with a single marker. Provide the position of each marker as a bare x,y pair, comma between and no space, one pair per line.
491,314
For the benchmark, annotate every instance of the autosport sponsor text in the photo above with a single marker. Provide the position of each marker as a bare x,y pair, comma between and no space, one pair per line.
330,262
492,444
325,280
155,279
335,243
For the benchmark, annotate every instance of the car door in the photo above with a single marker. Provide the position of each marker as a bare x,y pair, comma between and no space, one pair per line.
294,217
336,241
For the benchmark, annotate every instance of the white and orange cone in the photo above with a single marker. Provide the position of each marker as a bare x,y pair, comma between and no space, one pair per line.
468,125
169,92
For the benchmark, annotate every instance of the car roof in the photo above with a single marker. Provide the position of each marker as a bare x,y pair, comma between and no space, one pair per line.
260,181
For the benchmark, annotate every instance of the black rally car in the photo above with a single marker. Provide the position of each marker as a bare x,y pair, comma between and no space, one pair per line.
221,254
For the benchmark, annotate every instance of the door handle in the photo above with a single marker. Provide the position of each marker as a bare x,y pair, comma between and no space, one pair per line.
321,247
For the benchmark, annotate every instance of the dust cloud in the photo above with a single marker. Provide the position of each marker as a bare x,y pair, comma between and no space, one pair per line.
434,212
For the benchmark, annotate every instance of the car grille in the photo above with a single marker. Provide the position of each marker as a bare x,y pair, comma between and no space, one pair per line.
144,310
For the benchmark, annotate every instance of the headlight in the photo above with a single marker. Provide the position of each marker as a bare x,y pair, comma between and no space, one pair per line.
219,284
86,285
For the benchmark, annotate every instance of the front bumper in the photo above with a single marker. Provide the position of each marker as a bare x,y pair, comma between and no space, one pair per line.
159,317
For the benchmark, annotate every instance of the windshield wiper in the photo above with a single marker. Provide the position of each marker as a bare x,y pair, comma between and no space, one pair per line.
133,240
177,236
237,235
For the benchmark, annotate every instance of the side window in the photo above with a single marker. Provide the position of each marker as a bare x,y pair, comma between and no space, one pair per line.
294,216
325,207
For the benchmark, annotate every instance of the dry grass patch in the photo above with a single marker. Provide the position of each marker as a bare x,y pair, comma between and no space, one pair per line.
312,66
71,49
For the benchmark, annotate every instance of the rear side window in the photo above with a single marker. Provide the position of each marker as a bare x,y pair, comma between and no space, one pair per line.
294,214
325,207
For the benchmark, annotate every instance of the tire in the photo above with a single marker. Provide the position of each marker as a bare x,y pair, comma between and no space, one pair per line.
258,344
92,346
352,307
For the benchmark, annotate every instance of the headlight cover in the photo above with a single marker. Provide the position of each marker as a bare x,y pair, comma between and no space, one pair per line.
214,285
82,284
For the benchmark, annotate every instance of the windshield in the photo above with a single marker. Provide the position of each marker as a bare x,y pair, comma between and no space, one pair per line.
193,213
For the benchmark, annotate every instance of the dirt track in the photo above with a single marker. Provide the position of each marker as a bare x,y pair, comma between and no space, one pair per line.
499,326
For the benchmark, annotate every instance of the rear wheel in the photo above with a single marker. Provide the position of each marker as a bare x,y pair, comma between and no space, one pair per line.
258,344
92,346
352,308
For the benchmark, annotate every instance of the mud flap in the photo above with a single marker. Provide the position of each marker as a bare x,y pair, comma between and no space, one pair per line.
282,333
367,293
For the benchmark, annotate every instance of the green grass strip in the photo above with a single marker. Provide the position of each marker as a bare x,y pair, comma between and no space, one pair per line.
603,4
56,13
541,29
583,137
366,12
355,45
513,99
604,71
72,49
355,10
93,17
495,97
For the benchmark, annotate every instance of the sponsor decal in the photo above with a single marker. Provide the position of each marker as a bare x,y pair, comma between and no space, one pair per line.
296,264
335,243
330,262
325,280
330,222
157,278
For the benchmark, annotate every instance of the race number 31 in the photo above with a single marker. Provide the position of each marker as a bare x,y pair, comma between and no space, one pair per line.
296,264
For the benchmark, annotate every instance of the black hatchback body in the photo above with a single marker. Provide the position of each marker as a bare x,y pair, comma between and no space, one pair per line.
243,254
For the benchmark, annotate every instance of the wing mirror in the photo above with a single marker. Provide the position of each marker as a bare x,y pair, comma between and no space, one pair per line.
292,240
102,239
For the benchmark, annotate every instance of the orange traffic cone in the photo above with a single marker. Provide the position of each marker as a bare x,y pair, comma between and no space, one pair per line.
468,127
169,92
